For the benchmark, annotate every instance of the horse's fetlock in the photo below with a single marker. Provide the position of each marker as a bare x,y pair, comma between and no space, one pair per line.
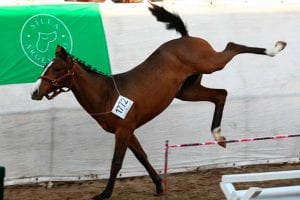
157,180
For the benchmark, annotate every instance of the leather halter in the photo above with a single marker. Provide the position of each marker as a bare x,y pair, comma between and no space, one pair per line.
56,84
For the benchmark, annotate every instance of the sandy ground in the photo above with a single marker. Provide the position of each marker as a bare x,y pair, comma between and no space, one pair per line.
201,185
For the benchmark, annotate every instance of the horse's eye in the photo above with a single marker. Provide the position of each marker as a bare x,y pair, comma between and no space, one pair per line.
57,69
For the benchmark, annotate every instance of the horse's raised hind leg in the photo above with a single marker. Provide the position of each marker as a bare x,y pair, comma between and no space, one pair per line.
139,153
220,59
192,90
122,138
279,46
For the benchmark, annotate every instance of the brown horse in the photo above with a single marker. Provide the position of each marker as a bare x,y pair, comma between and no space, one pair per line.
174,70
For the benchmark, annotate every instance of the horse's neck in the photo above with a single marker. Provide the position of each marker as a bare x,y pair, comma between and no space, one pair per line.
95,93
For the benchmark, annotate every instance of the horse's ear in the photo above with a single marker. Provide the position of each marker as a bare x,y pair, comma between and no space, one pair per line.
61,52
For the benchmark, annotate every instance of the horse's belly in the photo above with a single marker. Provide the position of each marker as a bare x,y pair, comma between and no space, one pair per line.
152,107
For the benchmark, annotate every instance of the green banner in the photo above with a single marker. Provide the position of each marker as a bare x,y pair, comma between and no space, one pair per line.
30,34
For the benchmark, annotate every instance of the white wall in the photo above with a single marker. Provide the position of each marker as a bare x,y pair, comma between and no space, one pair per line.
57,138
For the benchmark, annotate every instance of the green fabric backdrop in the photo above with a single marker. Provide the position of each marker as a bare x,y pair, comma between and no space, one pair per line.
30,34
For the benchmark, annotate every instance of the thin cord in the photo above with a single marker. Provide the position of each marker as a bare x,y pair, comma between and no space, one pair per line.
115,84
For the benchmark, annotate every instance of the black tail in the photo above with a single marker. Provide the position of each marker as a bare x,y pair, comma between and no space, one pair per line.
172,20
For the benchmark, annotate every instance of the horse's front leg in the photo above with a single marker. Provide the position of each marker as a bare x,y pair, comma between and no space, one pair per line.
139,153
122,138
192,90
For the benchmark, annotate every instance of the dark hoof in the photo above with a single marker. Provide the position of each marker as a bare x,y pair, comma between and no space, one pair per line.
218,137
159,190
158,194
102,196
221,143
159,187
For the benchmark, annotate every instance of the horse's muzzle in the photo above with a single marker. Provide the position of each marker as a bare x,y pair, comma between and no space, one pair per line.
35,95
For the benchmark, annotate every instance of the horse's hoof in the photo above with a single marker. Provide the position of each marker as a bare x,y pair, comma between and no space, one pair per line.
97,197
281,45
218,137
101,196
159,186
159,191
221,143
158,194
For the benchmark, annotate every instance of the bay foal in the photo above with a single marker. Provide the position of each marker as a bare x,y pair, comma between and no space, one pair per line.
174,70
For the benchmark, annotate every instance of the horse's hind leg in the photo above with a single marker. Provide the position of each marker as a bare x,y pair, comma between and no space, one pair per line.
279,46
139,153
218,60
192,90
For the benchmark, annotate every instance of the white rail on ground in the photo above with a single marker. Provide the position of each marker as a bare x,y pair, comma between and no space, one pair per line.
256,193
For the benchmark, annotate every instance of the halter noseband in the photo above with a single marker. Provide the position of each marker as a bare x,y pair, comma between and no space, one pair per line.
55,83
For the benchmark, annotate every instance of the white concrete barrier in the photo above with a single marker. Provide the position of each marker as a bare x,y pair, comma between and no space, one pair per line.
257,193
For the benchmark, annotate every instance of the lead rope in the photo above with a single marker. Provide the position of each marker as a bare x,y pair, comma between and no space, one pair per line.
116,87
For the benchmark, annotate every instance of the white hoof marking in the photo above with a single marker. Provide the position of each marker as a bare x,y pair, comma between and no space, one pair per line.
279,46
217,134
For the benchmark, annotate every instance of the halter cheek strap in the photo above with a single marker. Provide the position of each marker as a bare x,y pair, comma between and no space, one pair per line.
56,87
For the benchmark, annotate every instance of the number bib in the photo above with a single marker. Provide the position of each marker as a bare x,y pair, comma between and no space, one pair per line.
122,106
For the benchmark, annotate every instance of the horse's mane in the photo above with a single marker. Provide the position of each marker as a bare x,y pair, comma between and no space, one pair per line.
88,67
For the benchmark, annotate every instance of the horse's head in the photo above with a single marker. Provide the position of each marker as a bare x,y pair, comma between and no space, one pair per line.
56,77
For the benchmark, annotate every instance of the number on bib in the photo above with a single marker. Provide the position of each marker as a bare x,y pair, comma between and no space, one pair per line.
122,107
